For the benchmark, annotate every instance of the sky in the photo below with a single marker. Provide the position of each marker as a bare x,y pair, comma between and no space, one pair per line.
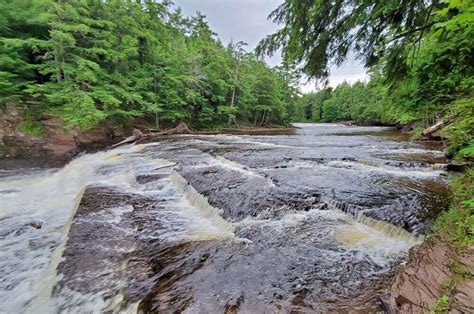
246,20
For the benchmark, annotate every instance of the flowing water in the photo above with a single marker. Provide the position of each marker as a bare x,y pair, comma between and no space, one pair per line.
313,220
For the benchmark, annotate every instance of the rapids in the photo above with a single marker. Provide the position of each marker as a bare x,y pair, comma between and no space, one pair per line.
313,220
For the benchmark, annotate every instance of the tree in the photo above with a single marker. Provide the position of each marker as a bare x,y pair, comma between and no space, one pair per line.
319,33
90,62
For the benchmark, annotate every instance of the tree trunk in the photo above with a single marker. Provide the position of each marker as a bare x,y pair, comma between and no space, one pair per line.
232,104
263,118
267,118
157,121
433,129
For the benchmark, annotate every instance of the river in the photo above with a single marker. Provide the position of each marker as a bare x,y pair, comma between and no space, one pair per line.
312,220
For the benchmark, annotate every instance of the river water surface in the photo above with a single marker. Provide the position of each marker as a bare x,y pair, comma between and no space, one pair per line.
313,220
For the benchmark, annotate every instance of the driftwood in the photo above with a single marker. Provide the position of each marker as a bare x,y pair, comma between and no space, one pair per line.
428,132
138,135
181,128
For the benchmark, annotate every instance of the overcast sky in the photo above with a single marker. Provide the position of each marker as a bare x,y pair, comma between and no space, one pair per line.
246,20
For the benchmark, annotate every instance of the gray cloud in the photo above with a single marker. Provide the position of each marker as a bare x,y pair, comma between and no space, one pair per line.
246,20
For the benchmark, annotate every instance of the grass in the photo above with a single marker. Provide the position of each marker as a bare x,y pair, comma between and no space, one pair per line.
441,306
415,134
31,127
456,226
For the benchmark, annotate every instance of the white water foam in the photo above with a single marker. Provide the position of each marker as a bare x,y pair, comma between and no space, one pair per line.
205,221
381,241
29,256
370,167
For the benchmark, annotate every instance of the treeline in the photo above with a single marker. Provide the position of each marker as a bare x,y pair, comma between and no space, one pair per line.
87,61
359,102
419,54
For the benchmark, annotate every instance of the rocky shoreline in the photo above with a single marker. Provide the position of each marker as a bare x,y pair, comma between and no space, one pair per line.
435,276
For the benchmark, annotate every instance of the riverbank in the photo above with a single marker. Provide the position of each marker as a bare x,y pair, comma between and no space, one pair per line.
55,145
58,147
249,130
439,276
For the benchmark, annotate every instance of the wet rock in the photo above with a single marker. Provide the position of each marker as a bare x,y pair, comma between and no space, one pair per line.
285,257
233,305
146,178
323,206
457,166
419,285
407,128
36,224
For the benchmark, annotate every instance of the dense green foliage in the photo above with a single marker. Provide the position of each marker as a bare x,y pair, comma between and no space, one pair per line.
457,225
317,33
359,102
87,61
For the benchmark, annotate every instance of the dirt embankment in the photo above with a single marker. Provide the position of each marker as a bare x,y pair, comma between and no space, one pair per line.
55,142
436,278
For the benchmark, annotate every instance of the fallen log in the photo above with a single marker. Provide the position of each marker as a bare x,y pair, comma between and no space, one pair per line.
137,135
181,128
430,132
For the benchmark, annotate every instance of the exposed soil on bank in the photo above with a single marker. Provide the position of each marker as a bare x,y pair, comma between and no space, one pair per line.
55,145
435,272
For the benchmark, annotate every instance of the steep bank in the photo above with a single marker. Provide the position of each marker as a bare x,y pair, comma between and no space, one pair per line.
54,142
437,278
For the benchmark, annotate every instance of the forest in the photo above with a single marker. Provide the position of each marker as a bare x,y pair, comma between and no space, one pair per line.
88,61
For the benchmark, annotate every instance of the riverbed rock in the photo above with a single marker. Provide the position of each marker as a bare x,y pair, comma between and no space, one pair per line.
36,224
420,284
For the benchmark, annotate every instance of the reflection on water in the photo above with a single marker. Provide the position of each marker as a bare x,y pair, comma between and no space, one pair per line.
310,220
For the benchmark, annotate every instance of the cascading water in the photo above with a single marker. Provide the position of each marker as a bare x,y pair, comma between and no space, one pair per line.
312,221
30,256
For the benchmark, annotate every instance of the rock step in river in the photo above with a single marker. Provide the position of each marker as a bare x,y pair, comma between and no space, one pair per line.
312,221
